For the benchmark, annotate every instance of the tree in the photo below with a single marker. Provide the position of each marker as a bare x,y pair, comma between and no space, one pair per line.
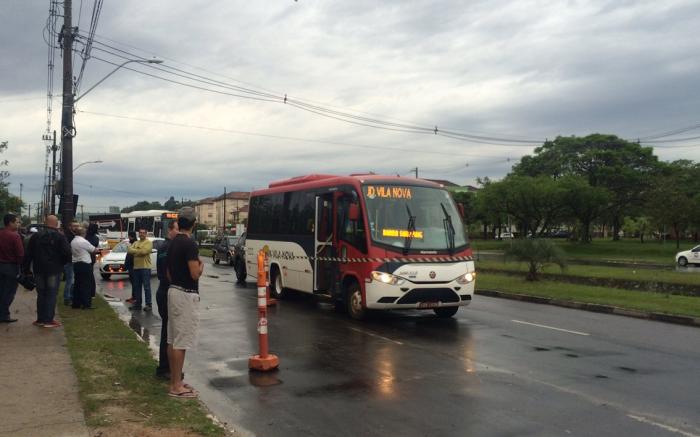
633,225
584,203
143,205
535,203
8,201
171,204
674,201
537,253
623,168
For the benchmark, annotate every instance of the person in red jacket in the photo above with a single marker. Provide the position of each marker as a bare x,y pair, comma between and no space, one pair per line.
11,254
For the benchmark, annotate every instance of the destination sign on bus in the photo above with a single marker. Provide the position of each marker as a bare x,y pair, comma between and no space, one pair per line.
171,215
402,233
388,192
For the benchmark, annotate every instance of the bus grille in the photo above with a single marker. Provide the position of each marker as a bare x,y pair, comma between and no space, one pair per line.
429,295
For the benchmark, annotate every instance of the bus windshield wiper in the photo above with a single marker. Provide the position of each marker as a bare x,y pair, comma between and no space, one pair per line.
449,229
411,228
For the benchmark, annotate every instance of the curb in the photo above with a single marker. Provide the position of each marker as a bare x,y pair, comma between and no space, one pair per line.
594,307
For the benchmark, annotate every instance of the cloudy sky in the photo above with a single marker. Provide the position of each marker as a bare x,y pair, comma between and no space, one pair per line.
516,72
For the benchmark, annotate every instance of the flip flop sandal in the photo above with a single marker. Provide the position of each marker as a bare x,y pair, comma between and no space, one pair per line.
183,395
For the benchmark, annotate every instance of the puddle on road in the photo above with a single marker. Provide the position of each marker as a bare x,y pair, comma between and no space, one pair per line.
541,349
571,355
627,369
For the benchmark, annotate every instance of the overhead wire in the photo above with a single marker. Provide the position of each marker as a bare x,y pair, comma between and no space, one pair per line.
280,137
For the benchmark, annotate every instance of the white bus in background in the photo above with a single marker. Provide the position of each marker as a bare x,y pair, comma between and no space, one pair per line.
154,221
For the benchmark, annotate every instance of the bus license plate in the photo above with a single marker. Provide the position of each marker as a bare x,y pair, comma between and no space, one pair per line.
428,304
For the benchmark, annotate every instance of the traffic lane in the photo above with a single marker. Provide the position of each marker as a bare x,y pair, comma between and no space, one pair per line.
443,337
645,367
651,375
334,378
418,383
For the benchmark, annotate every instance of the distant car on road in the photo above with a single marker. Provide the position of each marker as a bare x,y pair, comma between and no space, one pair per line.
560,234
113,262
223,249
686,257
506,236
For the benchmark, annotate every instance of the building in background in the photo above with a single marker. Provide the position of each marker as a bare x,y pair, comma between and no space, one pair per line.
219,212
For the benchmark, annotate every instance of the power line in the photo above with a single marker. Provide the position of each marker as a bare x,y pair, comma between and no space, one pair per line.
279,137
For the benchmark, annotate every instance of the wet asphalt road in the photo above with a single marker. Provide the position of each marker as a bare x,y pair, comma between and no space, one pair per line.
498,368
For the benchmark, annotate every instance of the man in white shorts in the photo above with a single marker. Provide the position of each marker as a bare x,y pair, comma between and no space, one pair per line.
183,269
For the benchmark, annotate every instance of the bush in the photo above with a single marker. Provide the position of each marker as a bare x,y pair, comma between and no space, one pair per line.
537,253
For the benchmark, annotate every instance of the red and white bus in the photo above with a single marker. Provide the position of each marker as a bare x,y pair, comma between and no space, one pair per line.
368,241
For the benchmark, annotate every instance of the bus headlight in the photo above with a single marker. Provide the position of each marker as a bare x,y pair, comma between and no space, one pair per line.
387,278
466,278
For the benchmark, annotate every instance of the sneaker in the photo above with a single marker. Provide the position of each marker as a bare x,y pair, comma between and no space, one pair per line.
52,324
147,308
37,323
130,300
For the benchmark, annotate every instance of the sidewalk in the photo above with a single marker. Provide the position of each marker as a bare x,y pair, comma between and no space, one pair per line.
39,386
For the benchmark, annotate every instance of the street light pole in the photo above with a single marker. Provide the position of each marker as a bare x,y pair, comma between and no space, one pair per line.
87,162
142,61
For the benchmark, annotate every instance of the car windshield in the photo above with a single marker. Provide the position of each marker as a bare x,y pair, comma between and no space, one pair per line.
121,247
421,218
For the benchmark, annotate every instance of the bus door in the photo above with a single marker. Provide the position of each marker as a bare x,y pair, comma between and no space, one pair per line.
131,227
324,269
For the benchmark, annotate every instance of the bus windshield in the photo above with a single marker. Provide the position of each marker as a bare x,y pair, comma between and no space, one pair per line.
415,218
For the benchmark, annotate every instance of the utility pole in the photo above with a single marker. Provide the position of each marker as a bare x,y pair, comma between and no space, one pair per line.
54,148
224,209
29,213
67,129
21,185
415,170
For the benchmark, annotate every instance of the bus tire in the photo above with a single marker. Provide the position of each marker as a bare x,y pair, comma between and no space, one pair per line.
105,276
445,312
353,301
277,289
215,258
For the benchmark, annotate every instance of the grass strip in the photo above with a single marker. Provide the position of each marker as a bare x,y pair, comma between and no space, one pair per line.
637,300
625,273
626,250
116,376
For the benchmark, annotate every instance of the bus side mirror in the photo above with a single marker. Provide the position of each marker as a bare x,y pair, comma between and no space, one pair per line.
354,212
460,208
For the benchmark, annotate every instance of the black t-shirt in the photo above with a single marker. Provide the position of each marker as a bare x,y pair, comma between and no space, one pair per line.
181,250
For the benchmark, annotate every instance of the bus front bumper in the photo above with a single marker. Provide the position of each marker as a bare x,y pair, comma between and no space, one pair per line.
411,295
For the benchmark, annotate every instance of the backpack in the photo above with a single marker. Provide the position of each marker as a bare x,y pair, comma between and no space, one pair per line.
50,251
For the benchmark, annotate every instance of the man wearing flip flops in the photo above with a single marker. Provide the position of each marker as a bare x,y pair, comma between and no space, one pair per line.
184,269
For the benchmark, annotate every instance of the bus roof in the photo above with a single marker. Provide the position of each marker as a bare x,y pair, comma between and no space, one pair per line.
325,180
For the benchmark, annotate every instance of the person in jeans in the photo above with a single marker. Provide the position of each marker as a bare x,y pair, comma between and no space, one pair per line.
184,270
141,250
82,252
47,253
163,369
11,253
68,268
129,266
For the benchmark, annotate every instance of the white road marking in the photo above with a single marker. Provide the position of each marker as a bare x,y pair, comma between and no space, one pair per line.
371,334
551,327
662,426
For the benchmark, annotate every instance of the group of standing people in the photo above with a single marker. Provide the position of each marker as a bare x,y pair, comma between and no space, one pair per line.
52,252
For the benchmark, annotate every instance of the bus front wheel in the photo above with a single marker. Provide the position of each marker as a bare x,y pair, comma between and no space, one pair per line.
277,288
354,306
446,312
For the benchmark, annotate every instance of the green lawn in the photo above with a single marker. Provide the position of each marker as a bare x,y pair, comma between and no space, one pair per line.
116,375
623,250
637,300
651,275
